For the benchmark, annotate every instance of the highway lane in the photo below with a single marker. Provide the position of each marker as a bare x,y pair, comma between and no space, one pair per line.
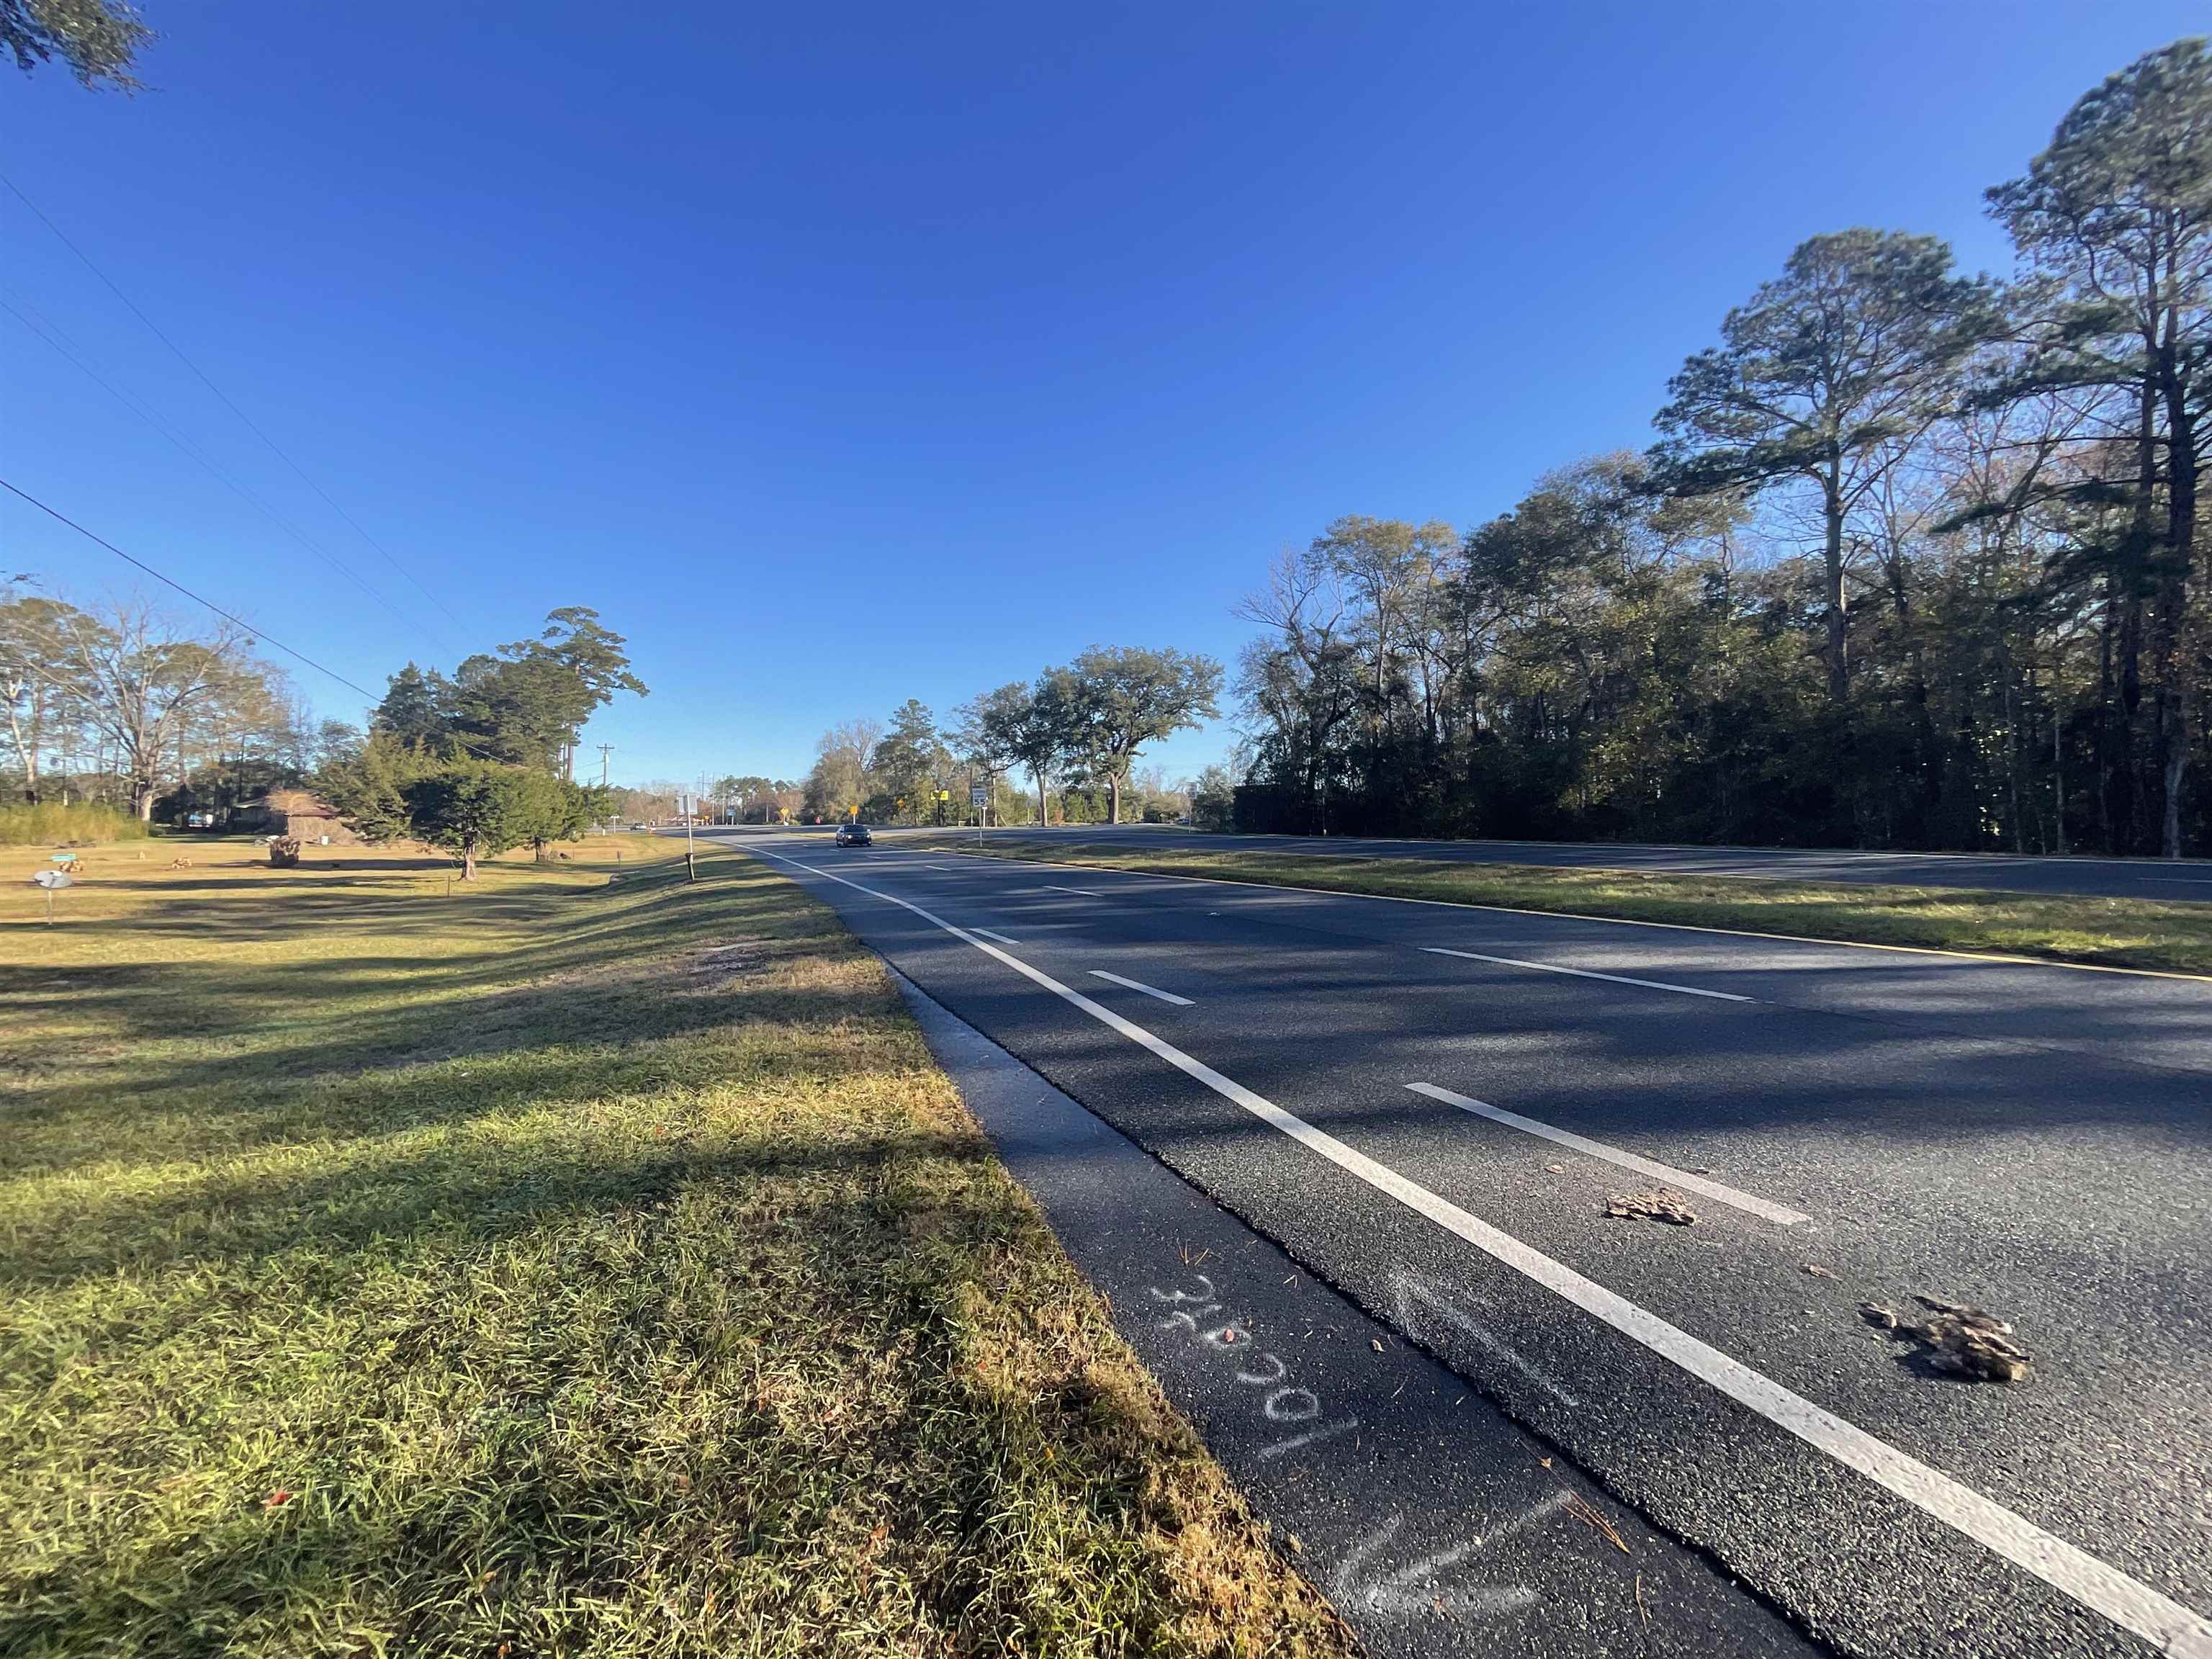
2039,1167
2188,880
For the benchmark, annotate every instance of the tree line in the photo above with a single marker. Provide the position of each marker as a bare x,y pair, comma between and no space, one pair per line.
483,760
1075,730
1917,561
119,705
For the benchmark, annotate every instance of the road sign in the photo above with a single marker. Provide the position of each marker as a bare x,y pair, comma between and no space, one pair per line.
979,794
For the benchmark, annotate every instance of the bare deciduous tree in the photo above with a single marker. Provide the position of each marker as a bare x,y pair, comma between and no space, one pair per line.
142,676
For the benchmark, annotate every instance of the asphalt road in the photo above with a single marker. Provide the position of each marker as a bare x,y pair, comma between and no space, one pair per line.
1848,1125
2184,880
1438,1528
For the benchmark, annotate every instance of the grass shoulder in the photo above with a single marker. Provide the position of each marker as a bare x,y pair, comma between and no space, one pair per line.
2106,933
588,1261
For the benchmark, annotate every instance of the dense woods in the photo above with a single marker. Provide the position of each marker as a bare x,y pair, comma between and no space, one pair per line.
1917,561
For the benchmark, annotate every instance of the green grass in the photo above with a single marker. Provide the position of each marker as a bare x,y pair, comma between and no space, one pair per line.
2107,932
50,824
507,1273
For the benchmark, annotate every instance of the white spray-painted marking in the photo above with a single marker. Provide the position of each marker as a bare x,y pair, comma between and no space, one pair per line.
1414,1588
1720,1193
1001,938
1491,1598
1312,1438
1285,1402
2134,1606
1139,984
1409,1295
1584,973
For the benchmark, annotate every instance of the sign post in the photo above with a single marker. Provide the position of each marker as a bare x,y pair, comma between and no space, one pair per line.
979,797
53,881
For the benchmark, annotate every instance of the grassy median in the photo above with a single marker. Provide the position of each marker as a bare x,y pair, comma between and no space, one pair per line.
559,1265
2108,932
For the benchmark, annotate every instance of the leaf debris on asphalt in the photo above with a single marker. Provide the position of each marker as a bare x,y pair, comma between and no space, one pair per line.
1662,1206
1964,1340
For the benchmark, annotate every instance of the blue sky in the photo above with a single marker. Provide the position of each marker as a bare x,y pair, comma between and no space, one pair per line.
838,355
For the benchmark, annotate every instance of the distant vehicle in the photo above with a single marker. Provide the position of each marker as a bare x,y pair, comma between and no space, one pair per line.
199,820
854,835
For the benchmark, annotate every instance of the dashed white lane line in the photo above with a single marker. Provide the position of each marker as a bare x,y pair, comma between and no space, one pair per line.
1139,984
2177,1630
1001,938
1584,973
1715,1190
1085,891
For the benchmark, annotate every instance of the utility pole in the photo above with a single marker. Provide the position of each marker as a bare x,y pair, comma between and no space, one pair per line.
690,856
606,748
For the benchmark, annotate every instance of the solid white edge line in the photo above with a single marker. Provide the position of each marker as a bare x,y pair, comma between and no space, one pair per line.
1139,984
1715,1190
1001,938
1585,973
2179,1632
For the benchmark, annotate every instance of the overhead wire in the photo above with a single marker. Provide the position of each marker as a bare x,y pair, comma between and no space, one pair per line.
224,398
259,634
45,331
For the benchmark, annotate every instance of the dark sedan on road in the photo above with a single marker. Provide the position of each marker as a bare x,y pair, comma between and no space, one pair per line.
854,835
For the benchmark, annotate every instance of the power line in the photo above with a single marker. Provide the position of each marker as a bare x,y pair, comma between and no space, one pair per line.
48,333
131,306
258,634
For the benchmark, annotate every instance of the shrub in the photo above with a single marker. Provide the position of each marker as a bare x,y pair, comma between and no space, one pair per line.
37,823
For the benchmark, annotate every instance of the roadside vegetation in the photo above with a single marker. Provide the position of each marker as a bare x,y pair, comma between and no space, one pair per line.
50,824
2107,932
583,1261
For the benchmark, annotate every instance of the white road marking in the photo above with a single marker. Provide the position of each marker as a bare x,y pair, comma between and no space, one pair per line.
1084,891
1001,938
1673,1177
1584,973
1139,984
2179,1632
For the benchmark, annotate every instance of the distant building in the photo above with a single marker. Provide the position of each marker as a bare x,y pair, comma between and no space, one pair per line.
297,813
